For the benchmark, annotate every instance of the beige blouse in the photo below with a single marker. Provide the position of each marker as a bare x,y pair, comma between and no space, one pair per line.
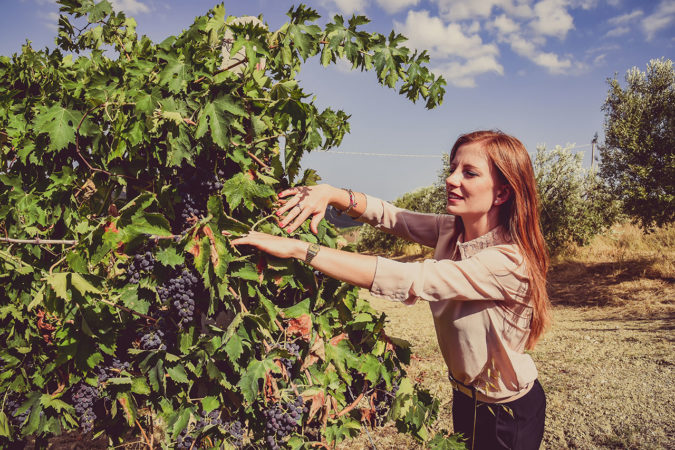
477,292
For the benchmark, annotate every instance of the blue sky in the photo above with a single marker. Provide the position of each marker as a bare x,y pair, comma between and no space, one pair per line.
536,69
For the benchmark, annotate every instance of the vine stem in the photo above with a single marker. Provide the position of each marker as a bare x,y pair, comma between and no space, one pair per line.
200,79
124,308
251,144
38,241
261,221
145,436
351,406
77,142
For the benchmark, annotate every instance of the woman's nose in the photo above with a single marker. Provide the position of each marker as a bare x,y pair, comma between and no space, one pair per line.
452,179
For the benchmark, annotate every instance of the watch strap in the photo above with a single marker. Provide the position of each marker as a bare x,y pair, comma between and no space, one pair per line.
312,250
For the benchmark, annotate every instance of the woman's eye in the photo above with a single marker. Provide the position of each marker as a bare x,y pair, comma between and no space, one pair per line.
471,174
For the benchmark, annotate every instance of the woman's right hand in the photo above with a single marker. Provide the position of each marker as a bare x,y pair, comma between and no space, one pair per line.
305,201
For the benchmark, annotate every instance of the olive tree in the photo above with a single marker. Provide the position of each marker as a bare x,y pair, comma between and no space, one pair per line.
637,158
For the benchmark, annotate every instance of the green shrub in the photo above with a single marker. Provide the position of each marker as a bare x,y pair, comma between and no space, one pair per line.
575,204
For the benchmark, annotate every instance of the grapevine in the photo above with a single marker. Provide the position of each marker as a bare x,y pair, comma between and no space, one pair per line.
124,310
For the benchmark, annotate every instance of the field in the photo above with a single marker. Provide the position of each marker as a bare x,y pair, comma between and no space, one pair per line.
607,363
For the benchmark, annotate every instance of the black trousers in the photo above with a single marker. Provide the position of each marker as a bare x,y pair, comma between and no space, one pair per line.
514,425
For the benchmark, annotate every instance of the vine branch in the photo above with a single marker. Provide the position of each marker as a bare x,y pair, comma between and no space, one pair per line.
38,241
200,79
124,308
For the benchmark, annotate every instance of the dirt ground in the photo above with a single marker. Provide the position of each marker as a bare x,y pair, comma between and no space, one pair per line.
608,378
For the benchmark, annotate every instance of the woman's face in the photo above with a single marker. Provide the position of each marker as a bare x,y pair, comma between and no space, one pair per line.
473,186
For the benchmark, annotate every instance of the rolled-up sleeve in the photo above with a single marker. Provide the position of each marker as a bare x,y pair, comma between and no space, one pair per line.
496,273
414,226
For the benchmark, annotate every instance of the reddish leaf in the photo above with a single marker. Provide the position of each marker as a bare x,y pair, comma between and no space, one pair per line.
316,352
301,326
368,416
336,339
271,388
318,401
214,251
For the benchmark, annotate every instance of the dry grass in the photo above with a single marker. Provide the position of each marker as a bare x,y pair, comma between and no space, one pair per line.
607,363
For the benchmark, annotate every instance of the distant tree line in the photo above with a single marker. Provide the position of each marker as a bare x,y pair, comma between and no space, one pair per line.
635,178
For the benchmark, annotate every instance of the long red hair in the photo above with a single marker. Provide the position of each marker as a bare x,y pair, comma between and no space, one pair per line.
519,216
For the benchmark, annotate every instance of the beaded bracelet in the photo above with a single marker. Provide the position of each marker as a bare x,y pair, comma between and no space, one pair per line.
352,202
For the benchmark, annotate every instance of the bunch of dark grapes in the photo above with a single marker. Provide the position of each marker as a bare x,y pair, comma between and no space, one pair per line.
293,349
84,396
140,263
111,369
385,398
212,418
180,291
235,429
153,339
11,407
184,441
383,401
194,193
281,421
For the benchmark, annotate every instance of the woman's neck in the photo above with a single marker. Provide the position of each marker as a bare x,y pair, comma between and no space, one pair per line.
475,227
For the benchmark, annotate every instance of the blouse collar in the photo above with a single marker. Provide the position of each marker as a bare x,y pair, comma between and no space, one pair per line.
496,236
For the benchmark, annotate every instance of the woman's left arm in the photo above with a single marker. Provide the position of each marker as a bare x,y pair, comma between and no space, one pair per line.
351,268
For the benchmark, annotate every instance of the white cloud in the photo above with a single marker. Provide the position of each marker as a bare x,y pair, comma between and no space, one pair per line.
552,18
469,9
346,7
662,17
504,25
464,74
625,18
552,62
464,53
130,6
50,19
393,6
442,41
527,48
618,31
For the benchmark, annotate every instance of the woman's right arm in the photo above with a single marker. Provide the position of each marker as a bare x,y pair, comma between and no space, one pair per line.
313,200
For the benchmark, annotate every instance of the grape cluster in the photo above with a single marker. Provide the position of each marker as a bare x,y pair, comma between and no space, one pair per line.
236,431
293,349
84,397
140,263
111,370
385,398
11,406
153,340
180,291
184,441
281,421
194,193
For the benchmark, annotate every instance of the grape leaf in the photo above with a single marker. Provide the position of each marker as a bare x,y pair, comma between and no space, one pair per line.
255,372
59,123
169,257
241,188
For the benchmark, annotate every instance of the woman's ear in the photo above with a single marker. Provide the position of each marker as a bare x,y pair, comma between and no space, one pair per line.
503,194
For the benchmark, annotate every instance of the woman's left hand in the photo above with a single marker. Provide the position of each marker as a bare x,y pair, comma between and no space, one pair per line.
281,247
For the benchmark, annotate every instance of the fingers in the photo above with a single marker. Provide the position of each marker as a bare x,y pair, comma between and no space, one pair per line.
292,214
288,205
314,224
299,219
287,192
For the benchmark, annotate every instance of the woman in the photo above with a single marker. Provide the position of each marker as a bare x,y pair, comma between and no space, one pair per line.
485,284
